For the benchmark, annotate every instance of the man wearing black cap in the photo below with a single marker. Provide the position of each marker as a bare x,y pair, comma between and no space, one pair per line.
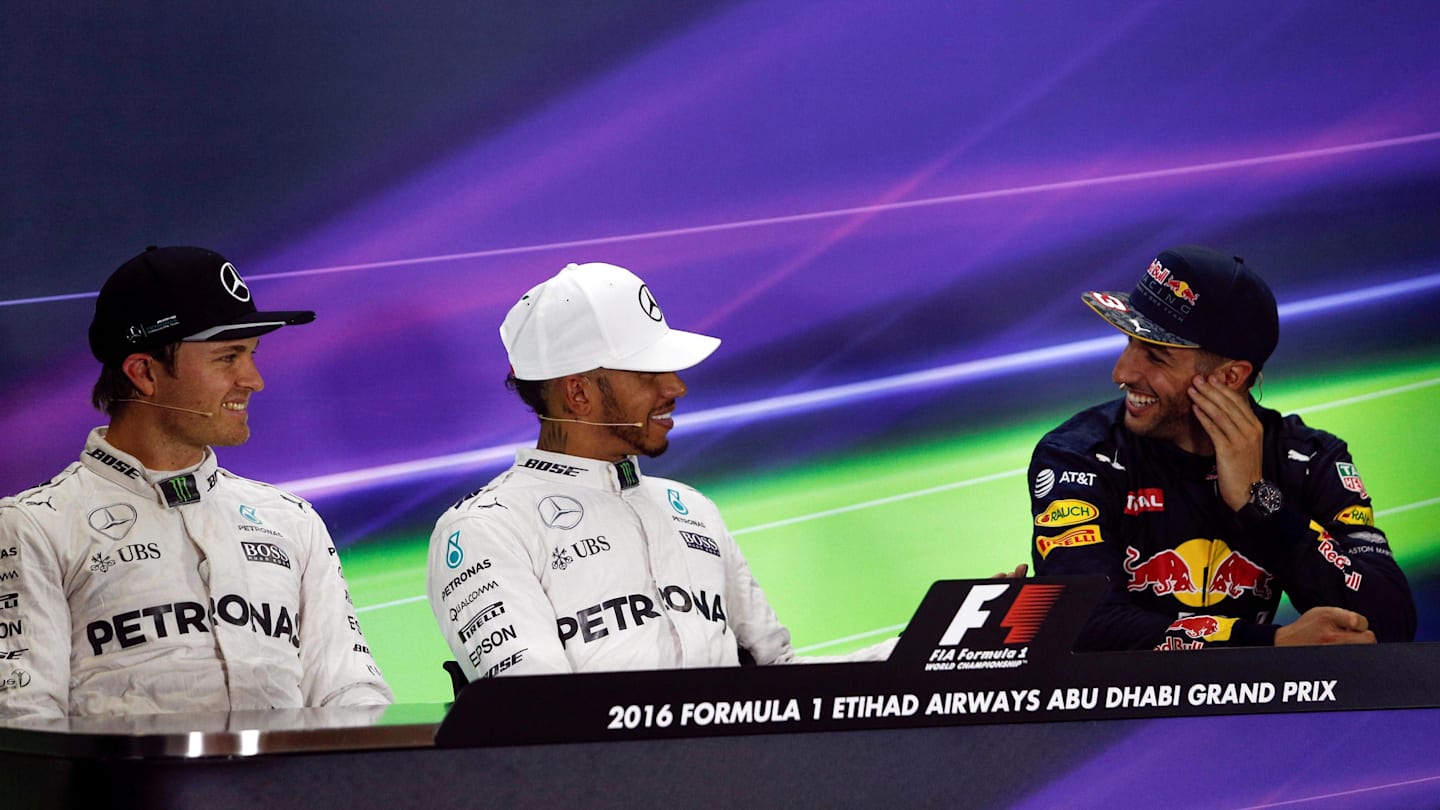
145,578
1201,506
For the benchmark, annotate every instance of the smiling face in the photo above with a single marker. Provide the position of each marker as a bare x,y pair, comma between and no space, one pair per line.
1156,380
646,398
211,377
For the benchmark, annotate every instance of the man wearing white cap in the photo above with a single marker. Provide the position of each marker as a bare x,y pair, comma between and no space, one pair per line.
145,578
573,560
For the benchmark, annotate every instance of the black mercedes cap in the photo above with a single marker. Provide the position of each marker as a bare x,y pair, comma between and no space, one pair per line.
169,294
1195,297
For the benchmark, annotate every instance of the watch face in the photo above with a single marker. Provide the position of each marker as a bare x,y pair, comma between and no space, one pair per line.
1266,496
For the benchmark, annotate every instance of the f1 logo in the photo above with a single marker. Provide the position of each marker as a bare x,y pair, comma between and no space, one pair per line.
1022,620
970,616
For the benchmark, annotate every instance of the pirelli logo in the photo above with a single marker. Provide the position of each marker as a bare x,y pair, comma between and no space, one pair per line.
479,619
1078,536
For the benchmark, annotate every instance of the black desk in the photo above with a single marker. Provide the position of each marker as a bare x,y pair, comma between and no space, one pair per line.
1015,722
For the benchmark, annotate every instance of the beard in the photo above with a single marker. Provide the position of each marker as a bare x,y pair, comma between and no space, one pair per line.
637,439
1169,419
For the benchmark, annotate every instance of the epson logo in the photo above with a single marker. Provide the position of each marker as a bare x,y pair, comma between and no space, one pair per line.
459,580
491,643
479,619
256,551
552,467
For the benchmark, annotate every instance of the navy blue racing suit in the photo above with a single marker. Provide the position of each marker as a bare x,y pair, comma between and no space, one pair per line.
1185,572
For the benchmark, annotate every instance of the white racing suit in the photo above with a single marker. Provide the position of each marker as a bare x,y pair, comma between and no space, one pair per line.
125,591
568,564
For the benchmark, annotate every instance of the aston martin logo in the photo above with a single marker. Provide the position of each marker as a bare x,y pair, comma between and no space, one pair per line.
113,521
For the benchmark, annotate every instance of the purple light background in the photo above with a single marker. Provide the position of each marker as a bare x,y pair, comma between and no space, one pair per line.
841,192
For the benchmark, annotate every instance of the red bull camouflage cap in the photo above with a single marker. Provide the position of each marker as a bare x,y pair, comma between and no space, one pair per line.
1194,297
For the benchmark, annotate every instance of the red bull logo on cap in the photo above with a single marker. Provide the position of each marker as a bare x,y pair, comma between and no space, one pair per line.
1178,288
1198,573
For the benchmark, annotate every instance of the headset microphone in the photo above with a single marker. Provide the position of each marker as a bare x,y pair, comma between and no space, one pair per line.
597,424
171,407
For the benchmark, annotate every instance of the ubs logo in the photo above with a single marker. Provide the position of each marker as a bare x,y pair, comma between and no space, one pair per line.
113,521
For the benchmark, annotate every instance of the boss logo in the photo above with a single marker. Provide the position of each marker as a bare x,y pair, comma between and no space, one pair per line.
265,552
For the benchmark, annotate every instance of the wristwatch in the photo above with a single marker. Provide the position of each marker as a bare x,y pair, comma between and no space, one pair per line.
1265,500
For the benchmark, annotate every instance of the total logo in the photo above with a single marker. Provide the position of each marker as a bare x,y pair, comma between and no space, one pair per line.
1180,572
1144,500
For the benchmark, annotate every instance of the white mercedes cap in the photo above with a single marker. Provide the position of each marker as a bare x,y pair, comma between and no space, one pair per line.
595,315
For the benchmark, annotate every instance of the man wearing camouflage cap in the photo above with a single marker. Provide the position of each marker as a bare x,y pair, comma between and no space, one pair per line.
1201,506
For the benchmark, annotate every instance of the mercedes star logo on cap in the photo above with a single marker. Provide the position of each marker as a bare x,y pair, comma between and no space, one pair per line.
649,306
230,279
